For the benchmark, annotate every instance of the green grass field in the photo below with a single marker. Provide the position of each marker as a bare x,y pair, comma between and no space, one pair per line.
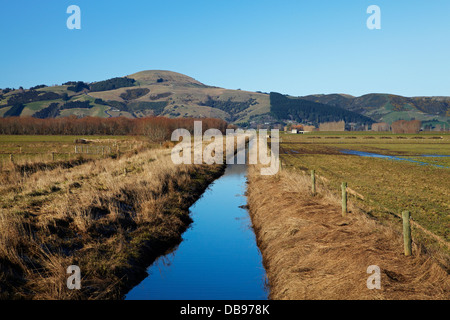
388,186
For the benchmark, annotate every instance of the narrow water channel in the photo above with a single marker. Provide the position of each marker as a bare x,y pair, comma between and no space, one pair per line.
218,258
382,156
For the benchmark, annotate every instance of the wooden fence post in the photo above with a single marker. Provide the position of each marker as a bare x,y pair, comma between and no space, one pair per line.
407,232
53,156
313,182
344,198
11,157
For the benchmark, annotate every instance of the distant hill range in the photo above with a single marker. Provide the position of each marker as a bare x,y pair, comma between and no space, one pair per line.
170,94
306,111
389,108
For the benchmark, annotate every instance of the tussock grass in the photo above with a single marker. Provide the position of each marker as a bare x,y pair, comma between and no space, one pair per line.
111,217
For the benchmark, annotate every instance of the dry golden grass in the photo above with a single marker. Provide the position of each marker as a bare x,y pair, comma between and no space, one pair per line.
111,217
311,251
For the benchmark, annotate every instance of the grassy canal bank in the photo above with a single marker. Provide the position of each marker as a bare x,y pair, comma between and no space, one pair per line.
112,217
311,251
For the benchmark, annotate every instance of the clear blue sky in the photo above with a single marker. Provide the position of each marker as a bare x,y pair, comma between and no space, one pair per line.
297,47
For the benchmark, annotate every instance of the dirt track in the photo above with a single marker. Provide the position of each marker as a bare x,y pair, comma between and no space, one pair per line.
311,252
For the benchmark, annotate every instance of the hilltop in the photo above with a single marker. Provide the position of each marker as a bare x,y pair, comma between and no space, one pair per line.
154,92
152,77
173,95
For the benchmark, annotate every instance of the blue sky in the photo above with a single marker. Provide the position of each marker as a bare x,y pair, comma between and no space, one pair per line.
296,47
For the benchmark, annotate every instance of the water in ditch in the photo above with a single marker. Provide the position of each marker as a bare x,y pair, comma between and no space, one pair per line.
218,258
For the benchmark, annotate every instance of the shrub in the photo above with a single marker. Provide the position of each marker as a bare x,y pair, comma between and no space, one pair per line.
132,94
79,86
160,95
38,87
52,111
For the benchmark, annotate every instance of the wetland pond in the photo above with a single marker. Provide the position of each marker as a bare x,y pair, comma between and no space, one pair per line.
376,155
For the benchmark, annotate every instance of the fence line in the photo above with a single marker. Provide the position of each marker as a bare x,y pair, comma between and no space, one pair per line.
412,222
97,149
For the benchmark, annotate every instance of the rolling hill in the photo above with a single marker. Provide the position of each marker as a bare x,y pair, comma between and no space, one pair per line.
171,94
306,111
141,94
389,108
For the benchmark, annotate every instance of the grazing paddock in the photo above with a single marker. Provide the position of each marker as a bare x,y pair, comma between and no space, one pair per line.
388,186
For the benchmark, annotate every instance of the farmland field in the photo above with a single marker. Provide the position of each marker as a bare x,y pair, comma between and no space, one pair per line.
32,148
112,213
387,186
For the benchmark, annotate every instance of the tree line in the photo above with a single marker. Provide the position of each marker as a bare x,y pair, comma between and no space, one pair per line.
332,126
32,96
403,126
399,126
53,110
156,128
105,85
